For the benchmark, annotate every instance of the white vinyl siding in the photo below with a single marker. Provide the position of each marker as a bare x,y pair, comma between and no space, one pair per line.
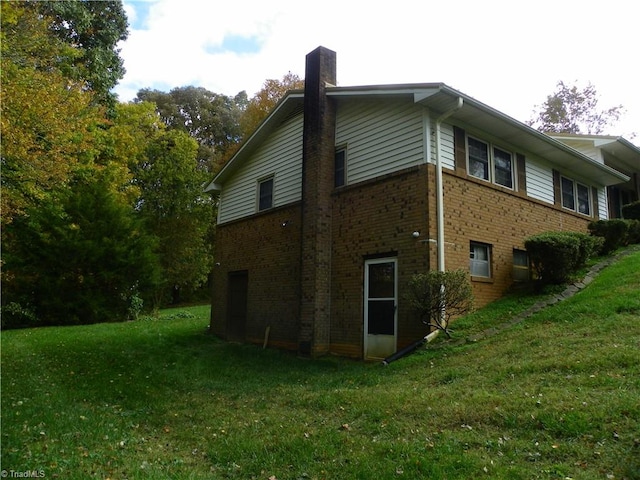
381,137
447,158
603,206
280,156
539,181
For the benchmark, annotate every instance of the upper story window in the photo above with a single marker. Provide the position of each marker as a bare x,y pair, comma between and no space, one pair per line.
575,196
490,163
265,193
340,167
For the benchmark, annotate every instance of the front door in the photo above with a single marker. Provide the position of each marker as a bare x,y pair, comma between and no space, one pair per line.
380,306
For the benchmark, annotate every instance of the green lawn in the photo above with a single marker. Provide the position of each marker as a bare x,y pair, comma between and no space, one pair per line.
557,396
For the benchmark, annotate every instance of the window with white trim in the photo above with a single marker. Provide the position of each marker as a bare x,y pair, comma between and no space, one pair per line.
480,259
575,196
265,194
490,163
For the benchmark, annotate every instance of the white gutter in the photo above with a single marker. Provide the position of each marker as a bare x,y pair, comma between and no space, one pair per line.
439,186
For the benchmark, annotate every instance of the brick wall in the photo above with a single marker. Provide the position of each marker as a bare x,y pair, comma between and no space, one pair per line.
270,254
487,213
376,219
369,220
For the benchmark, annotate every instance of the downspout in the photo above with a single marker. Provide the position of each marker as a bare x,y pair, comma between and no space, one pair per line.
439,186
440,202
440,236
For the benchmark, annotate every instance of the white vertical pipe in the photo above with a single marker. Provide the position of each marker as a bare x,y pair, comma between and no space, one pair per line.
439,186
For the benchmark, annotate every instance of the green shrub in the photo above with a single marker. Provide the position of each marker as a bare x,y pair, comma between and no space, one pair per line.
554,255
589,246
433,293
82,261
614,232
633,234
16,315
631,211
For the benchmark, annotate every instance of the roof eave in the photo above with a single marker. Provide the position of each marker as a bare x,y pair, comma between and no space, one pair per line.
518,133
438,97
618,151
282,108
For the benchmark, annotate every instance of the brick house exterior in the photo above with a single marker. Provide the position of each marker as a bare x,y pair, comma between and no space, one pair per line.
331,206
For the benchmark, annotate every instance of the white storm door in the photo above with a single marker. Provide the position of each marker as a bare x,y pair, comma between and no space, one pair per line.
380,307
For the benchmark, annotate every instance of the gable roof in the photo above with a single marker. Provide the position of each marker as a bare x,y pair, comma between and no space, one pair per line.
618,152
290,105
438,98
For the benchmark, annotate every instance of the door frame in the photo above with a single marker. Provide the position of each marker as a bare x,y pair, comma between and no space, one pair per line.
367,264
236,332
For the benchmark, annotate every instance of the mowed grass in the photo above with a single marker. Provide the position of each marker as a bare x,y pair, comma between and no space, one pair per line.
557,396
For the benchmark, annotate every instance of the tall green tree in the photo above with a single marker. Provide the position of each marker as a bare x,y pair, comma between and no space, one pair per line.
73,248
47,121
83,259
211,119
266,99
571,110
177,212
123,143
93,29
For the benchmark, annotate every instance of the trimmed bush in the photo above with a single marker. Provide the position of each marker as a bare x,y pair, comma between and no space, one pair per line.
633,234
554,255
614,232
589,246
631,211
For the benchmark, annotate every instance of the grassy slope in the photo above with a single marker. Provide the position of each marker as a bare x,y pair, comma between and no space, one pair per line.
554,397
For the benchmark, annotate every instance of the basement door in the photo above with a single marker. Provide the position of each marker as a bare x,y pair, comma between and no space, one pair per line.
380,307
237,306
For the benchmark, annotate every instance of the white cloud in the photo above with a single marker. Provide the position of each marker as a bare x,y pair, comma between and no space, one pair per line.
506,54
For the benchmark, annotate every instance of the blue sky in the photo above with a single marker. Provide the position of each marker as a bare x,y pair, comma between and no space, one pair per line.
507,54
237,44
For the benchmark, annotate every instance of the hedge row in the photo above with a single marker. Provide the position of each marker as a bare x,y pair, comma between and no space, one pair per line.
616,233
556,256
631,211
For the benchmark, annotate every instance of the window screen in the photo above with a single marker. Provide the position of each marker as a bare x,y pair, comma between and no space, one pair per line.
265,195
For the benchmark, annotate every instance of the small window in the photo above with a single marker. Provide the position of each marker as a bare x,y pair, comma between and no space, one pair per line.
568,198
575,196
503,168
478,159
520,266
490,163
340,168
584,202
265,194
480,260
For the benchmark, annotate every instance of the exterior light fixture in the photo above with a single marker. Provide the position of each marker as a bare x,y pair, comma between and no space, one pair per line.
416,234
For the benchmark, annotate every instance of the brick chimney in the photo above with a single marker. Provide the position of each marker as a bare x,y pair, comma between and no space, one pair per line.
318,154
